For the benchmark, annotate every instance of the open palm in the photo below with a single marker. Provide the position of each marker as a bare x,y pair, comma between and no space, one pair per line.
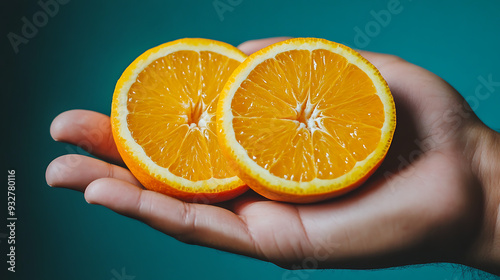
422,205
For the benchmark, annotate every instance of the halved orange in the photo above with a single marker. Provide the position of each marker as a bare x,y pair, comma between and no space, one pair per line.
305,120
163,119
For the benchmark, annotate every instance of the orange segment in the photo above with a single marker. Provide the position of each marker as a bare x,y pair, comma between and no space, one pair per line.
366,110
215,69
296,162
193,160
253,133
353,85
251,100
268,76
326,69
163,119
220,168
295,68
359,140
182,70
332,159
305,120
146,130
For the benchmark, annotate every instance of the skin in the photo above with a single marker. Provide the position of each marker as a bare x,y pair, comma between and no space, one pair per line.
435,198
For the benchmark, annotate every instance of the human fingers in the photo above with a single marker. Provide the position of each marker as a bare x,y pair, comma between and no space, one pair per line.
192,223
89,130
252,46
76,172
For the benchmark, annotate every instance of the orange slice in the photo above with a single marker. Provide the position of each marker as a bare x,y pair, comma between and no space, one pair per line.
305,120
163,119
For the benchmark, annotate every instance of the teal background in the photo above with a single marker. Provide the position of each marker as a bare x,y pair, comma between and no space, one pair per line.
76,58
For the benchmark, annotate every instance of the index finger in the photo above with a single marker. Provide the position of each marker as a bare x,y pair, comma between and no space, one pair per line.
192,223
89,130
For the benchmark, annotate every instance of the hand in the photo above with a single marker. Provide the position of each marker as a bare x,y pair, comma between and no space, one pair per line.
434,199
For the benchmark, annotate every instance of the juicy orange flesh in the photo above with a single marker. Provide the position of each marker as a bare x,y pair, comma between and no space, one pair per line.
307,114
172,107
